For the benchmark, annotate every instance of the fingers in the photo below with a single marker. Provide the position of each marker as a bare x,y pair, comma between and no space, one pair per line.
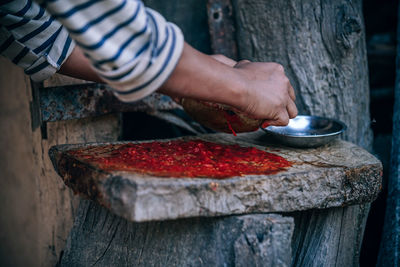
281,120
291,109
291,92
225,60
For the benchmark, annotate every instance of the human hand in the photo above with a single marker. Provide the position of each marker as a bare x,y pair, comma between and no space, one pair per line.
267,92
281,95
261,90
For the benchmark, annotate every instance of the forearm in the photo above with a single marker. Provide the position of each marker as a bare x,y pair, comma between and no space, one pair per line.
130,47
78,66
196,76
202,77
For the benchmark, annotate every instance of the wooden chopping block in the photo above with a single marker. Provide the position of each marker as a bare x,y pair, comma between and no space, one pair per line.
335,175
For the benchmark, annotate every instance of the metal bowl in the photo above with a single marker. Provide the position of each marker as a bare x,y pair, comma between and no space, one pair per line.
307,131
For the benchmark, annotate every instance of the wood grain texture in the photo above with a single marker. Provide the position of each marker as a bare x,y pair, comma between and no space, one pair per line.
332,176
329,237
100,238
19,207
321,45
389,253
190,16
37,208
221,25
62,80
57,202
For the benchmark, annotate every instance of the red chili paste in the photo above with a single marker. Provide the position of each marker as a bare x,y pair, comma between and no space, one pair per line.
178,158
229,119
265,124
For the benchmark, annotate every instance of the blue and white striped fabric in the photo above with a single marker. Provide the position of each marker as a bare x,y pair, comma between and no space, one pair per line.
132,47
32,39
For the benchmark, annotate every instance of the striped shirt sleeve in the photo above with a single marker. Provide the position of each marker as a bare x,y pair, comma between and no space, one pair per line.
32,39
133,48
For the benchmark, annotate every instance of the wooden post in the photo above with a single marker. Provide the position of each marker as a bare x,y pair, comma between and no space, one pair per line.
100,238
321,45
389,253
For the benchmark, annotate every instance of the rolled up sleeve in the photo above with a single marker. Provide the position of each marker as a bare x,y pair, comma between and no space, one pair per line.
32,39
133,48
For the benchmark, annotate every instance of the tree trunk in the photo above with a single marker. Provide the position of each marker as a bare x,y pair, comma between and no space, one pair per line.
100,238
321,44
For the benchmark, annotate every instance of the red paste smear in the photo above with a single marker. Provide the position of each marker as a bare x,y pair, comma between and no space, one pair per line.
228,120
178,158
265,124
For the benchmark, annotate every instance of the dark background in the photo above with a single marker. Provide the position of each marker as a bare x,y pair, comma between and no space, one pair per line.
381,24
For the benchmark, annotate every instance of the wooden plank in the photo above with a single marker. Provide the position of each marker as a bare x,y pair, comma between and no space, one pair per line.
389,253
37,208
57,202
100,238
62,80
91,100
18,199
332,176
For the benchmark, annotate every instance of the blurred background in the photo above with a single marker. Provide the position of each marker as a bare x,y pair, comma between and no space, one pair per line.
381,28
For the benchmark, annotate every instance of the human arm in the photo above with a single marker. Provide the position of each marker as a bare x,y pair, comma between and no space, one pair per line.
78,66
137,64
259,89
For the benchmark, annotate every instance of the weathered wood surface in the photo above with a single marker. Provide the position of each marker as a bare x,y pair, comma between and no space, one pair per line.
332,176
62,80
93,100
222,28
190,16
389,253
329,237
321,45
37,208
18,199
100,238
35,193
